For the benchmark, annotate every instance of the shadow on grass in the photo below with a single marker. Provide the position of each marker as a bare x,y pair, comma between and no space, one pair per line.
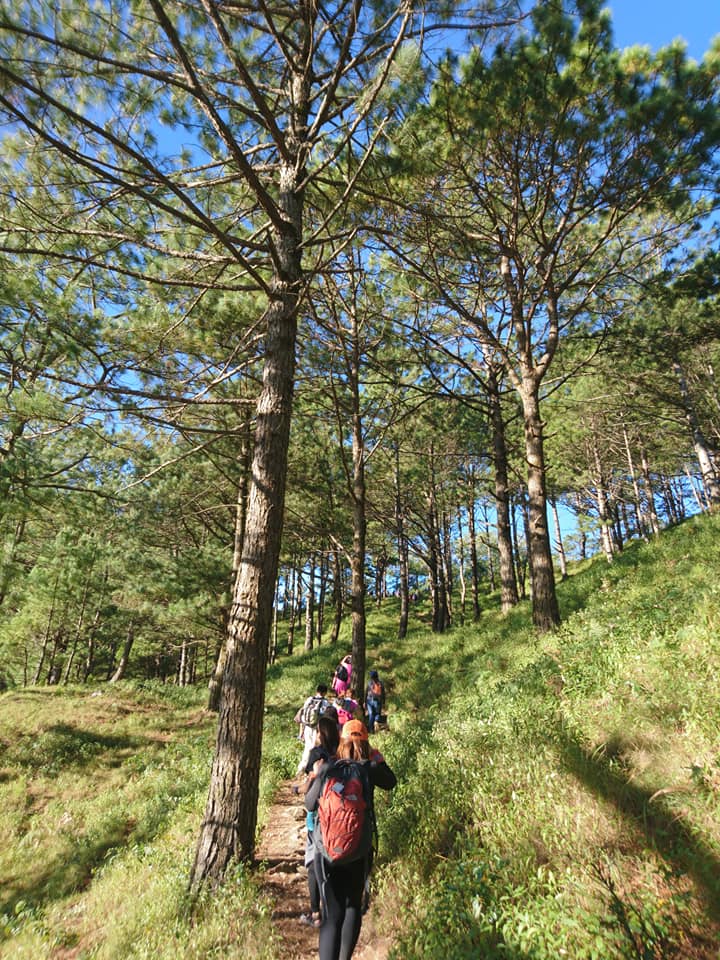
663,828
63,746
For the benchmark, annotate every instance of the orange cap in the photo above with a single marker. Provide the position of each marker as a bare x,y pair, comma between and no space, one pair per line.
355,730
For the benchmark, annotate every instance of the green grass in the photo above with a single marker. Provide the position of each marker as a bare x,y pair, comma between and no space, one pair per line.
558,796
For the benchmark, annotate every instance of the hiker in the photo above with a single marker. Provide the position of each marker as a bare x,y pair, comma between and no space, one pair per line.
343,883
308,716
341,678
347,707
326,747
374,700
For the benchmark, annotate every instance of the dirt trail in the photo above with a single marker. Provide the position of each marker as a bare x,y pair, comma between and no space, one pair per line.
281,849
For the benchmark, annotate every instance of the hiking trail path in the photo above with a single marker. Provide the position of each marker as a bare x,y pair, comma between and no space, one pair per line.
284,881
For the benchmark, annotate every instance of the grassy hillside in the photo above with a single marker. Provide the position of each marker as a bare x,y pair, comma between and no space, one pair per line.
558,796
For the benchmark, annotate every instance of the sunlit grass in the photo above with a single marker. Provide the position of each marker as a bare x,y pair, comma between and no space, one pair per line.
558,795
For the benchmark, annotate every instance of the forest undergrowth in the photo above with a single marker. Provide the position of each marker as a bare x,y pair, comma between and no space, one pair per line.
558,796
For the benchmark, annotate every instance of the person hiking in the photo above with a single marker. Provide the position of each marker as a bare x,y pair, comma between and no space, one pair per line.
341,677
308,716
374,699
326,746
347,707
344,881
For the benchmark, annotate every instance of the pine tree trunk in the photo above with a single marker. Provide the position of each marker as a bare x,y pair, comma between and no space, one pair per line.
649,493
558,539
642,526
295,591
518,565
310,606
472,536
461,566
546,613
601,499
90,653
357,562
125,656
46,636
228,828
508,580
702,452
322,596
403,559
338,596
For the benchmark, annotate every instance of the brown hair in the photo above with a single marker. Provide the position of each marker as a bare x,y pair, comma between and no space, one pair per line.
328,734
352,748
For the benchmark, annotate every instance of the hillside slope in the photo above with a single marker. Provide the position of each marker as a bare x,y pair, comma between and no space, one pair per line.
558,796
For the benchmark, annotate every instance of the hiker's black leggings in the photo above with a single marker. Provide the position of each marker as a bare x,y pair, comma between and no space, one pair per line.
342,895
314,888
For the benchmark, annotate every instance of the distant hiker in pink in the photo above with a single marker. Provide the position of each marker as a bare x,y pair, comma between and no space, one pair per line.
341,680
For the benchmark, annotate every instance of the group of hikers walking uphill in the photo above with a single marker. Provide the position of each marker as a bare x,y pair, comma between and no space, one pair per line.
341,771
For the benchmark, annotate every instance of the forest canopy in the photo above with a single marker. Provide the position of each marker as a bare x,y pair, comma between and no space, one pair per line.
303,304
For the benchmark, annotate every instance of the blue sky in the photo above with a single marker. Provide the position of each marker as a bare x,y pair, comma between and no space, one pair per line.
657,22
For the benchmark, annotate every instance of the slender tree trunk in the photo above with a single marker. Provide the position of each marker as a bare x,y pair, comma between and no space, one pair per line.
59,647
519,566
447,567
558,539
46,636
182,664
441,616
273,654
322,596
642,526
702,451
649,493
338,595
310,605
601,500
461,566
546,613
472,536
403,559
508,581
10,553
701,502
670,504
90,653
295,593
489,549
78,628
357,563
125,656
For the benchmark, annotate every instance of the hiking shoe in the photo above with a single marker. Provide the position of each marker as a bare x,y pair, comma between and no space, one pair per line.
311,919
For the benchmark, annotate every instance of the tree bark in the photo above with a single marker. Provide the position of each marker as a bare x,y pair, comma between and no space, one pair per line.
472,536
508,580
546,613
558,539
650,493
403,558
310,605
338,596
125,656
228,828
702,451
357,562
